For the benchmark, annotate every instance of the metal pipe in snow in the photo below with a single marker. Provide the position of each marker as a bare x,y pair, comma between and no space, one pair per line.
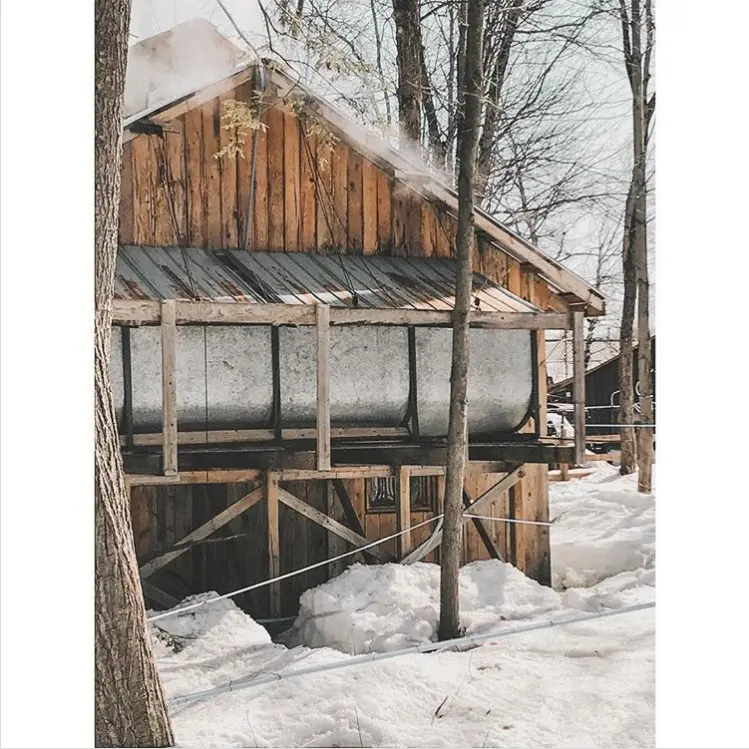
430,647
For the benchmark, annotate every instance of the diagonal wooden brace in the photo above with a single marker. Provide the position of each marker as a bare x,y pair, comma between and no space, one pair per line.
435,540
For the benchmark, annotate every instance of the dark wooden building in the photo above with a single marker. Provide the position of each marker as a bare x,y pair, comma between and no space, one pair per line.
602,393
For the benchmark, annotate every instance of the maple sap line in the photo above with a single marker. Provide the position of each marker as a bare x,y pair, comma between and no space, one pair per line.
429,647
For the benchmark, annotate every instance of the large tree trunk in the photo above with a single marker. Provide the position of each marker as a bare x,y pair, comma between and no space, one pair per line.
468,136
407,18
130,708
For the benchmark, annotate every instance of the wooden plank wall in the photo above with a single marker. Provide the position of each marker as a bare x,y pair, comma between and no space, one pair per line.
309,195
237,554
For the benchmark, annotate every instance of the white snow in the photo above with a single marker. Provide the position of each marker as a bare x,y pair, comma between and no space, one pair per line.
584,685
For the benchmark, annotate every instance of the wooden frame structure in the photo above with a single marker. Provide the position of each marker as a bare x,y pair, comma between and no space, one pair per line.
170,313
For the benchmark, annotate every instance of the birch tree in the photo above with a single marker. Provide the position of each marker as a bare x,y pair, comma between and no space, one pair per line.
468,139
130,707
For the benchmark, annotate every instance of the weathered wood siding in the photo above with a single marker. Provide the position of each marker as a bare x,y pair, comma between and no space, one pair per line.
309,196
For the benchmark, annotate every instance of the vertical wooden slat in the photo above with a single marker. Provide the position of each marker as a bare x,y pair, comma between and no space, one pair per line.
126,218
161,231
514,283
196,234
274,558
323,194
323,387
275,138
414,247
259,234
212,176
308,231
355,221
398,218
292,188
339,207
384,227
243,93
174,144
403,511
169,384
369,207
578,383
230,236
142,197
428,225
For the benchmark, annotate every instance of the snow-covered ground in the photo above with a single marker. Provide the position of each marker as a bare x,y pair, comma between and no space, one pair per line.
583,685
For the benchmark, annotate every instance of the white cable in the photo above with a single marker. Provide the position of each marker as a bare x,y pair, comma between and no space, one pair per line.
358,550
251,681
506,520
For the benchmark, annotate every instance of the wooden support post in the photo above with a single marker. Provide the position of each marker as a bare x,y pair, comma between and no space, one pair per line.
403,511
169,385
578,383
323,387
274,542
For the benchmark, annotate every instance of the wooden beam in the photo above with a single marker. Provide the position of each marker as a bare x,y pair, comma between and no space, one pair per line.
484,535
234,510
403,511
578,383
157,595
145,312
574,473
435,540
217,476
338,472
329,524
348,507
169,385
272,491
224,436
323,387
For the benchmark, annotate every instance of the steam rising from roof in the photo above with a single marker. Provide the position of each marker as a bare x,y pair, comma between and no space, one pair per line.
176,62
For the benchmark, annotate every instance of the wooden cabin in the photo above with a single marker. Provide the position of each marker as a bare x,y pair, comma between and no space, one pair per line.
281,351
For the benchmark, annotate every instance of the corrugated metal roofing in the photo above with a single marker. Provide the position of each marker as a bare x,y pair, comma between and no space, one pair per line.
300,278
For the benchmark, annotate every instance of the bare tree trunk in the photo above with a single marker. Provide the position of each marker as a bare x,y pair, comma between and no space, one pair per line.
130,708
641,115
468,136
626,342
407,18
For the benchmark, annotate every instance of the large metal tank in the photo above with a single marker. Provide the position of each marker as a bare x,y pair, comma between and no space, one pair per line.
225,377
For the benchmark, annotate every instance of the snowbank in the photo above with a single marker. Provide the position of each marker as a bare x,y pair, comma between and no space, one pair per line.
391,606
602,527
589,684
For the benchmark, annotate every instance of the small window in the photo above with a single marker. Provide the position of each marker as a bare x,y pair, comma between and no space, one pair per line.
382,492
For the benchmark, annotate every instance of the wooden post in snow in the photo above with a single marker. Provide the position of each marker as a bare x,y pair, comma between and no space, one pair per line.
274,546
323,387
578,383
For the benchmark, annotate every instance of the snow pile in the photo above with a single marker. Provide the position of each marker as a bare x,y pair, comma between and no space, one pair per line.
388,607
602,527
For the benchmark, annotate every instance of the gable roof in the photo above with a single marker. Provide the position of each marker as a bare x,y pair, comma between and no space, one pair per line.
167,106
